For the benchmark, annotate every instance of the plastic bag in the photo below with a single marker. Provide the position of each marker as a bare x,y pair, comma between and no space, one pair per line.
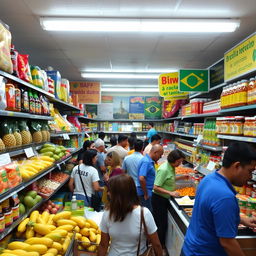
2,93
5,50
37,76
170,108
24,68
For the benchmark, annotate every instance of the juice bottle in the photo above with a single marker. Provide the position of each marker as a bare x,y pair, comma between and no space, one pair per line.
243,90
17,99
31,102
232,95
250,91
24,100
37,104
222,98
10,97
236,94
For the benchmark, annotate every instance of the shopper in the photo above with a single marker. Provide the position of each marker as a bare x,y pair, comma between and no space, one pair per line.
86,173
88,144
113,141
101,135
164,187
155,139
131,162
120,147
152,131
131,140
146,175
215,217
121,222
113,163
100,165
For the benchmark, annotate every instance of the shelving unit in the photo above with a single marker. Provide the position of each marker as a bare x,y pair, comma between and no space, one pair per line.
190,142
181,134
238,138
211,148
68,133
117,132
24,115
185,152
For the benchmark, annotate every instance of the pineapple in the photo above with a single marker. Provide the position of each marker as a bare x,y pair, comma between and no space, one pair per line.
37,137
44,136
9,140
2,146
26,137
18,138
48,136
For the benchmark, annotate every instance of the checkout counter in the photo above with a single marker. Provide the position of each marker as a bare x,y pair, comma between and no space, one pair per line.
178,222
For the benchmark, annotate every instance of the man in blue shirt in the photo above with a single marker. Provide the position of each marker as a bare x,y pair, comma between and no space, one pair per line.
131,162
152,131
215,217
146,175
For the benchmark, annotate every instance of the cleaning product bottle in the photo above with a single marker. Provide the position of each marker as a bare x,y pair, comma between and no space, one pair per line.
73,203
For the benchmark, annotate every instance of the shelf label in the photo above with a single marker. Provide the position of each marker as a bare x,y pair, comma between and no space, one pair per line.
211,166
198,139
65,136
5,159
29,152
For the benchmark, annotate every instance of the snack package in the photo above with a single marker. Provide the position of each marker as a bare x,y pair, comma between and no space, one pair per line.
24,68
170,108
37,77
55,75
65,87
3,180
13,174
3,104
45,81
5,50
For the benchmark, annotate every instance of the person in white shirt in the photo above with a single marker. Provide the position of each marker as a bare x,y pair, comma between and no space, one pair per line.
121,221
89,176
155,139
121,146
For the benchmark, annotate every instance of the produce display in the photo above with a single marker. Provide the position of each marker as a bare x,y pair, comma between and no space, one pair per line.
50,207
187,191
28,200
183,170
55,152
50,234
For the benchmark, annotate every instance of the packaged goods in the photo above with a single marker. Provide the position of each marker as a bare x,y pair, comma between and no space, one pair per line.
50,85
24,100
37,77
24,68
32,104
209,134
10,97
13,175
3,180
14,58
65,88
170,108
55,75
3,104
5,43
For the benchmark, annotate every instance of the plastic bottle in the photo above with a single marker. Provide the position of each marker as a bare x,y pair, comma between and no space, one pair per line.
31,102
17,99
24,100
37,104
73,203
243,93
14,58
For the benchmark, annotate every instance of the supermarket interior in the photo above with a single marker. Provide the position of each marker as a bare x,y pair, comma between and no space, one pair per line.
161,94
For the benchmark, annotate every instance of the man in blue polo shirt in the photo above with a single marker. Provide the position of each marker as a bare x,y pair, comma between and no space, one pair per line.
146,175
215,217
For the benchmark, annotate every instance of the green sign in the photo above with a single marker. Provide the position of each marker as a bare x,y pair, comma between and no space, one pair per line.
193,80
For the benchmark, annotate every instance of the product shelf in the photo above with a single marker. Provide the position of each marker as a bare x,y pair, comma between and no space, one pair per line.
25,184
201,115
64,105
238,138
119,132
211,148
237,109
203,170
181,134
21,150
68,133
190,142
185,152
18,221
24,115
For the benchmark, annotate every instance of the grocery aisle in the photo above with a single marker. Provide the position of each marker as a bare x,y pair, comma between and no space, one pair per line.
72,72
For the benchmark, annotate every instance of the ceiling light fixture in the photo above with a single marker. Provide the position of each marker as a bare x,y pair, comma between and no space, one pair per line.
129,90
129,85
157,71
139,25
119,75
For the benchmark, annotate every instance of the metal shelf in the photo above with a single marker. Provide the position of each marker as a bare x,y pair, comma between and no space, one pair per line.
185,152
201,115
182,134
190,142
203,170
129,120
24,115
21,218
211,148
50,96
243,108
119,132
69,133
25,184
21,150
238,138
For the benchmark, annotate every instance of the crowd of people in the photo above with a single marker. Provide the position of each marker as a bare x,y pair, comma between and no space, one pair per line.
134,195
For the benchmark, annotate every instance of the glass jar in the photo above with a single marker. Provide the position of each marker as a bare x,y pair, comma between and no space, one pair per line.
238,125
251,86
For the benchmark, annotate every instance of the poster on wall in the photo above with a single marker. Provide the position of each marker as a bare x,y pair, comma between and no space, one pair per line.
91,110
105,111
121,107
153,107
106,99
88,92
136,107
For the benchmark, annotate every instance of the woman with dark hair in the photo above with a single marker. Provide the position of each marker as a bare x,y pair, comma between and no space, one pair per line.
121,221
131,140
88,144
164,187
113,141
84,179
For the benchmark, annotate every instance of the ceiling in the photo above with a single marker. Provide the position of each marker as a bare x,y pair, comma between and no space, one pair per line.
73,52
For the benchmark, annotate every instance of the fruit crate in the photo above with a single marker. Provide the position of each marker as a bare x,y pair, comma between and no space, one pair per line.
78,252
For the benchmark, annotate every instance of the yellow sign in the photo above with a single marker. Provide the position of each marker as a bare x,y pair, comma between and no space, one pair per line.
241,59
168,85
88,92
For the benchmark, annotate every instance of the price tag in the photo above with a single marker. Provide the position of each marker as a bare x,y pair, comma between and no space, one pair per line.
65,136
58,166
211,166
199,138
5,159
29,152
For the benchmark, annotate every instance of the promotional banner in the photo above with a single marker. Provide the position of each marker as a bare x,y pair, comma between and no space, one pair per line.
136,108
241,59
153,107
106,99
217,73
88,92
91,110
105,111
121,107
168,85
194,80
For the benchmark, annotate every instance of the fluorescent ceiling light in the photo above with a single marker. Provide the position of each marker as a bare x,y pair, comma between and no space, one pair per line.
129,90
129,85
120,75
139,25
157,71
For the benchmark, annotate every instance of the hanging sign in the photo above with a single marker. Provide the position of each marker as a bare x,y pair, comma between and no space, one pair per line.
168,87
194,80
241,59
217,73
88,92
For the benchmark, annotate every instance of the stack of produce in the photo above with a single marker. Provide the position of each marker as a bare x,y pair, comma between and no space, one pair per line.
50,234
187,191
183,170
28,200
54,151
50,207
